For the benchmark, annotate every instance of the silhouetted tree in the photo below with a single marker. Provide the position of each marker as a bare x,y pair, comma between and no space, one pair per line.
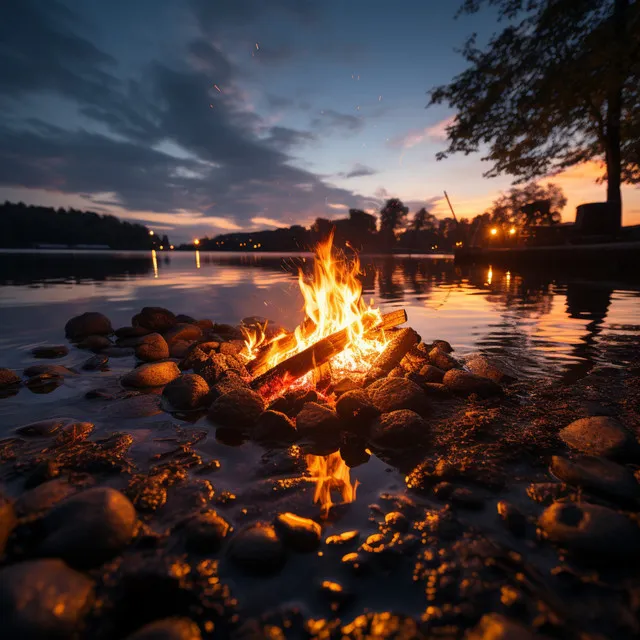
557,87
424,221
392,217
548,201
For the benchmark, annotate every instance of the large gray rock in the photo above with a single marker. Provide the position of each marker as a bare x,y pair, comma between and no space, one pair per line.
399,429
240,408
168,629
43,599
155,319
50,351
89,528
188,391
600,436
90,323
393,394
590,531
152,374
257,549
316,421
151,348
301,534
465,384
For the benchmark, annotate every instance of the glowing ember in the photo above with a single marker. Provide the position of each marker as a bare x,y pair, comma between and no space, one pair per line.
330,473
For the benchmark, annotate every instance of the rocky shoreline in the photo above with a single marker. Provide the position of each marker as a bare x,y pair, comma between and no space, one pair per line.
518,518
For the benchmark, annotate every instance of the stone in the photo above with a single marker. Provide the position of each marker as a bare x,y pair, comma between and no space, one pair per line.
42,428
188,391
600,436
205,324
73,432
179,349
257,549
152,374
140,406
205,532
212,367
512,517
273,426
185,332
442,360
119,352
356,410
292,402
8,521
152,347
94,343
316,421
483,366
465,384
229,381
50,351
495,626
131,332
240,408
88,324
342,539
95,363
399,429
42,599
393,394
168,629
354,450
397,521
599,476
228,331
232,347
9,378
436,391
298,533
443,345
53,370
43,497
183,318
345,384
592,532
89,528
431,373
466,498
335,594
154,318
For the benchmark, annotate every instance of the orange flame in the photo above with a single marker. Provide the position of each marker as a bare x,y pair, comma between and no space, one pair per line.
330,472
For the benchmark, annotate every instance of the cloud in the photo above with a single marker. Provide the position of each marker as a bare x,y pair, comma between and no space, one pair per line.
359,170
433,133
284,138
337,205
329,120
261,221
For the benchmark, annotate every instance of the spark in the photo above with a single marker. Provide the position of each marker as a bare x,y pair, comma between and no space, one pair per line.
257,47
379,98
217,88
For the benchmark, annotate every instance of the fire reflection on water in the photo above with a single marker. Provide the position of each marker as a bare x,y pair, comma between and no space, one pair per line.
330,473
154,260
197,259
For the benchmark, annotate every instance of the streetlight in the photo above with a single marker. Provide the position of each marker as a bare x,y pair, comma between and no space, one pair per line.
494,231
512,231
196,242
150,233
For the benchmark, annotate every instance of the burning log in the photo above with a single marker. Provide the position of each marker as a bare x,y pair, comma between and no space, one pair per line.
319,353
390,358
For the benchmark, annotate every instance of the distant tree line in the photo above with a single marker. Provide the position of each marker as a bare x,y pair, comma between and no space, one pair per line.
29,226
395,229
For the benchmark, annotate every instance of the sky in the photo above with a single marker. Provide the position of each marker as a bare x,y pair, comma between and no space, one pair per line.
199,117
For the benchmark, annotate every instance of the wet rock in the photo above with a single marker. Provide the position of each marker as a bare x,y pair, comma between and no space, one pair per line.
155,319
483,366
153,374
399,429
356,410
228,331
8,521
301,534
152,347
467,498
292,402
344,538
397,521
54,370
183,332
494,626
43,497
600,436
353,450
316,420
442,360
89,528
179,349
131,332
229,381
240,408
232,347
206,532
599,476
212,367
356,562
257,549
42,428
96,363
73,432
436,391
140,406
205,324
42,472
514,520
50,351
273,426
94,343
88,324
392,394
590,531
465,384
188,391
168,629
9,378
431,373
42,599
335,594
443,345
119,352
547,492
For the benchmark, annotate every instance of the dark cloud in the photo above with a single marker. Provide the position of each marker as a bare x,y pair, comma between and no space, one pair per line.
359,170
330,120
284,138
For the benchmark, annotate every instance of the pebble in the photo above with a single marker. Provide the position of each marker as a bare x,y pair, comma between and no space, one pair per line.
335,594
94,343
49,370
600,436
466,498
301,534
168,629
155,319
274,427
180,349
89,528
131,332
238,409
152,374
9,378
344,538
392,394
188,391
140,406
464,383
482,366
8,521
152,347
514,520
356,410
431,373
43,428
88,324
591,531
74,432
316,420
42,599
358,563
443,345
183,332
397,521
257,549
43,497
96,363
495,626
399,429
442,360
205,532
598,475
50,351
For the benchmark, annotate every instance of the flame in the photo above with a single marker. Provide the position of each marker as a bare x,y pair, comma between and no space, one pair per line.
330,472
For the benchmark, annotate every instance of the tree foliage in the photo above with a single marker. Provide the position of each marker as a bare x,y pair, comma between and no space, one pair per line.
531,205
393,215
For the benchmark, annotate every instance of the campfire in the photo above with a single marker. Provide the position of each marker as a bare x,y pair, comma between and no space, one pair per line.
341,338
